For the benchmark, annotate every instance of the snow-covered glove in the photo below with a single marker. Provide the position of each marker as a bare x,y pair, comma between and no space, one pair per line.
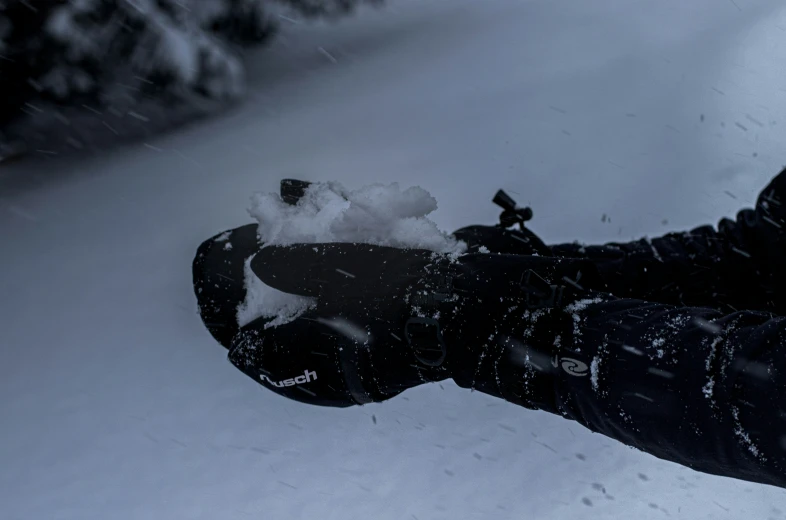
390,319
361,342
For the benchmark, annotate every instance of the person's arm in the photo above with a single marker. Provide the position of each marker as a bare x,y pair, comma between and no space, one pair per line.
705,267
734,266
688,385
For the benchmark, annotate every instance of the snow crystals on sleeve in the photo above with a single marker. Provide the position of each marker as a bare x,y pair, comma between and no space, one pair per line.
581,305
595,368
574,309
594,372
660,341
709,387
743,436
531,318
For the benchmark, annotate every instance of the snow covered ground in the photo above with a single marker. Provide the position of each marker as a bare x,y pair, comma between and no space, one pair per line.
117,404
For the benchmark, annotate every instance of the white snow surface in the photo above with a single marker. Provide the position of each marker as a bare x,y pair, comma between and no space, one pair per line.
378,214
116,402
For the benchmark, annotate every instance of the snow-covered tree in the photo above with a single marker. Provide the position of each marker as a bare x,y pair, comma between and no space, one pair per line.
111,57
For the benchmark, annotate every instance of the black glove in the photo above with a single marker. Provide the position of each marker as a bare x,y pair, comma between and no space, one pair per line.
389,319
219,279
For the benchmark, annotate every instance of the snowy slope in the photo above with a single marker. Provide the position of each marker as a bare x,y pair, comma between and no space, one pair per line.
117,404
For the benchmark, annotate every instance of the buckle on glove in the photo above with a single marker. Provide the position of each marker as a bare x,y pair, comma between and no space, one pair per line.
425,338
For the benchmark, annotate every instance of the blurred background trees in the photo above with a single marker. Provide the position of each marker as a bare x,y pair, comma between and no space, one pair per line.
81,72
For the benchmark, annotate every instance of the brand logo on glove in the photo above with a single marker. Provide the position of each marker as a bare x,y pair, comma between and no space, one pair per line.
572,366
307,377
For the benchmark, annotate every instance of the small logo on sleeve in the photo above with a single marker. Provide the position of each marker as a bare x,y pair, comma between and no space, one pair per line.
572,366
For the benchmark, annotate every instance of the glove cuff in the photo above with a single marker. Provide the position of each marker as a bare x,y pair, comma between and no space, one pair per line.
502,318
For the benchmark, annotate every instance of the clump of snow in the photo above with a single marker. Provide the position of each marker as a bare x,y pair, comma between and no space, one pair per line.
377,214
262,301
383,215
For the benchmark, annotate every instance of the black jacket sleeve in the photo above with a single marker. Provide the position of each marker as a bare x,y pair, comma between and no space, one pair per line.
689,385
734,266
680,353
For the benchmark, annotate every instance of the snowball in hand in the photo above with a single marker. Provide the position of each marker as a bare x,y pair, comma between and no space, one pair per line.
376,214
